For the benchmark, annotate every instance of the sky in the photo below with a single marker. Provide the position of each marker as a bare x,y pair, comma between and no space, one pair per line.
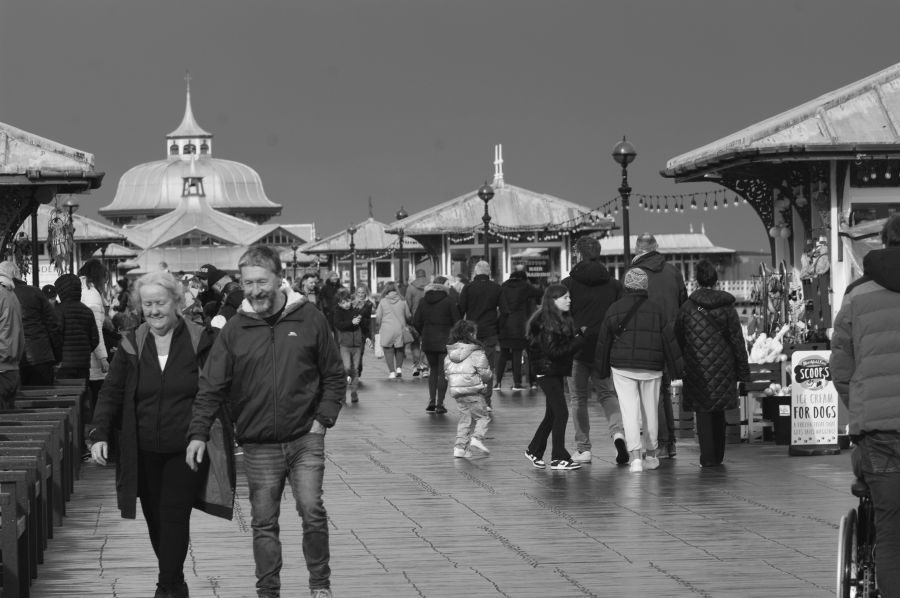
336,101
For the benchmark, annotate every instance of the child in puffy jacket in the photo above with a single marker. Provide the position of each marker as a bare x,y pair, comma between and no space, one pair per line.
469,379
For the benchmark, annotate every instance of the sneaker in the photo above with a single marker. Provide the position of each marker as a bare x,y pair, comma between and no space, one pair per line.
416,373
321,593
440,410
622,456
651,462
516,389
582,457
535,460
430,407
354,398
670,449
425,372
477,443
399,372
636,466
461,453
488,408
392,375
564,464
534,387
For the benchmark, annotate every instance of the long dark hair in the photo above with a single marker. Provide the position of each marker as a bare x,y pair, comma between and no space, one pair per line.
463,331
548,317
96,274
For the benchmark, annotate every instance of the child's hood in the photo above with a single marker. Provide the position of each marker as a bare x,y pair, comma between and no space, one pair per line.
458,352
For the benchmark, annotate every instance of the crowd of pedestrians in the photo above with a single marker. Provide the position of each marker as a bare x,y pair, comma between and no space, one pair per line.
184,369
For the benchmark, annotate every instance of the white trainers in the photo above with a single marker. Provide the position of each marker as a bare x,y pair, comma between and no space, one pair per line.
582,457
477,443
636,466
461,453
392,375
651,462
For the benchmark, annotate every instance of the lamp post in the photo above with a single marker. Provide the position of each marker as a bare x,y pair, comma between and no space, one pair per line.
623,153
72,207
485,194
400,215
294,276
352,231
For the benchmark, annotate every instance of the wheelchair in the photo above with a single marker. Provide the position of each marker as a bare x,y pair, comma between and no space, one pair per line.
856,548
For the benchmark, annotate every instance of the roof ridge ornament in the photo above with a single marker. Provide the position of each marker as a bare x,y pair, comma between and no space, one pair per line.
498,165
189,127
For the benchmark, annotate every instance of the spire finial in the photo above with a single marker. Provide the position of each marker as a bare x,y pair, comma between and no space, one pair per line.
187,77
498,165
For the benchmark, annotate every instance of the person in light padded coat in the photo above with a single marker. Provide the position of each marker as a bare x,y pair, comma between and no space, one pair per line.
715,360
78,328
469,378
636,345
147,398
865,351
434,317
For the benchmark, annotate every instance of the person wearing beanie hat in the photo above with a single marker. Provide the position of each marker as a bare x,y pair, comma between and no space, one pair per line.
593,289
12,341
79,330
636,344
666,287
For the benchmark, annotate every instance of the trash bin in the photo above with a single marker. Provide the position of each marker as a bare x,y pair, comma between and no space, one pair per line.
777,409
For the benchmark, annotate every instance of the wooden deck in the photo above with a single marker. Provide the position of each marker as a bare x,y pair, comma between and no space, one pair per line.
408,520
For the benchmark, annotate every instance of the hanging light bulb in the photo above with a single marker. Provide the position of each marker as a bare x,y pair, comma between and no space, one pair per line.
616,208
666,209
724,201
641,201
887,173
716,204
735,201
706,203
872,174
693,203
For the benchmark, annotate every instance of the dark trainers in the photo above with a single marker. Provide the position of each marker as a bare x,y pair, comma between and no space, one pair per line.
440,410
416,373
535,460
564,464
354,398
430,407
622,456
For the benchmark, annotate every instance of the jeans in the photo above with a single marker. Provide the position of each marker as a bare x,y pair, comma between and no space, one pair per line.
583,373
711,435
167,488
437,382
471,409
634,396
556,416
513,355
879,459
352,357
268,466
9,386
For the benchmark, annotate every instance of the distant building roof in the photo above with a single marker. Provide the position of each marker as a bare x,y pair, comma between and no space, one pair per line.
863,117
669,243
36,160
86,229
370,236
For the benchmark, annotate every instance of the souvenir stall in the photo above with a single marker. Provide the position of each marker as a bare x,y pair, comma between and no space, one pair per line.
812,174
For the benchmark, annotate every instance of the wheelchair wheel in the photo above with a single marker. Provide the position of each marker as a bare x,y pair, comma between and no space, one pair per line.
847,553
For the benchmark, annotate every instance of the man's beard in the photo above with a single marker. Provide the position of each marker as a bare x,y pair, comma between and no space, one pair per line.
262,303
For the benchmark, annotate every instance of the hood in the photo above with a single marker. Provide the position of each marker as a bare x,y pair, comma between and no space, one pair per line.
652,260
458,352
392,298
68,288
883,266
420,283
294,301
591,273
435,292
711,298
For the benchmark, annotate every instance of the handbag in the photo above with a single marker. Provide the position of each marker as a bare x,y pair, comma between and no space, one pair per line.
379,350
407,335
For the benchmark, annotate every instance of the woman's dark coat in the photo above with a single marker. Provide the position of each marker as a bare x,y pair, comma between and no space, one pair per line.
435,316
517,303
715,353
116,409
551,353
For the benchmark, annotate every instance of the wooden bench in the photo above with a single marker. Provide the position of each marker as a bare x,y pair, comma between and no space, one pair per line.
37,539
17,561
41,457
13,536
54,404
57,506
72,396
50,439
65,477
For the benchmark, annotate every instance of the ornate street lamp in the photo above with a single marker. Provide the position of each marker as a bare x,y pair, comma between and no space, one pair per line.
623,153
294,248
485,194
72,207
352,231
400,215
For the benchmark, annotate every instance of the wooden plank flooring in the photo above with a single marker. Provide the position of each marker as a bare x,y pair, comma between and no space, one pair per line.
409,521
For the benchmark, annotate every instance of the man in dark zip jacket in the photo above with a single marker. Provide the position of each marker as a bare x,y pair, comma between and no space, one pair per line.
592,290
277,365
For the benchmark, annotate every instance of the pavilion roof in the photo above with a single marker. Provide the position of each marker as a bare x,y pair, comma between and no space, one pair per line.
511,209
674,243
370,235
193,213
863,117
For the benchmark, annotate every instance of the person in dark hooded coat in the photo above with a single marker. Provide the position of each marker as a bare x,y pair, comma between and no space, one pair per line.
434,317
518,300
78,329
715,360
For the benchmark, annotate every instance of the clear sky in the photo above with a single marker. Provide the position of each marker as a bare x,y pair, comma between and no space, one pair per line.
333,101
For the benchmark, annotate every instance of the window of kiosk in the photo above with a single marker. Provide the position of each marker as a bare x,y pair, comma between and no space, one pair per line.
542,263
464,256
